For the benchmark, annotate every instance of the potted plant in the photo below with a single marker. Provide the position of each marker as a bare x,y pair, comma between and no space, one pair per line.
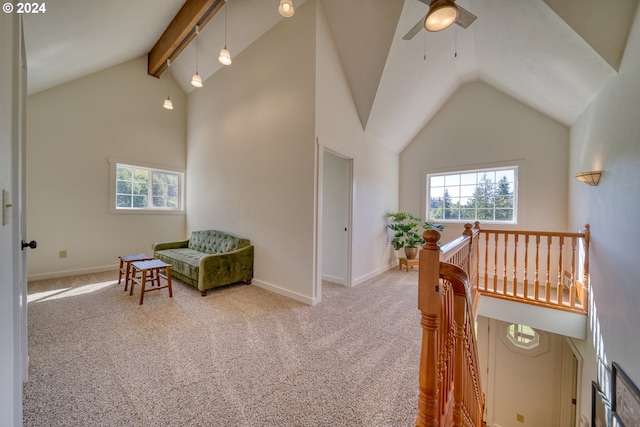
407,232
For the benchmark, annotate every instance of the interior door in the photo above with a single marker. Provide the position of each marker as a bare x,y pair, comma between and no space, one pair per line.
13,310
336,217
22,208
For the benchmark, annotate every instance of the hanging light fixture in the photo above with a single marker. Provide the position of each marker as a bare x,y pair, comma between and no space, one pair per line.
168,105
286,8
442,13
225,56
196,80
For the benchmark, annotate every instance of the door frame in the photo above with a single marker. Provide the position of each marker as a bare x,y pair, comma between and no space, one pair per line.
320,152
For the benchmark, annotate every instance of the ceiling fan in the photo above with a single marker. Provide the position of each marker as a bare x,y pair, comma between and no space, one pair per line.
442,14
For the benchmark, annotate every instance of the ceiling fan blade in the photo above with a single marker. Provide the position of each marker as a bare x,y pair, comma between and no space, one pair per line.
465,18
415,29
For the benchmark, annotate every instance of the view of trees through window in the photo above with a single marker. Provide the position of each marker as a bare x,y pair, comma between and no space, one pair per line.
485,195
142,188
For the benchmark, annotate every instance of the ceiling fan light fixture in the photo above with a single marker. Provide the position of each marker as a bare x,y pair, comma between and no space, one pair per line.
286,8
225,57
442,14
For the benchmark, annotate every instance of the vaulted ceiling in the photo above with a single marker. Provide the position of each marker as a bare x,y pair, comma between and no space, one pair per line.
554,55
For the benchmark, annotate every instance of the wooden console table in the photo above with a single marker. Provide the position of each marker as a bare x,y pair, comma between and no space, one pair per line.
409,263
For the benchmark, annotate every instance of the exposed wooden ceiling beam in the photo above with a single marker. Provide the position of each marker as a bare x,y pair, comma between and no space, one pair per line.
180,32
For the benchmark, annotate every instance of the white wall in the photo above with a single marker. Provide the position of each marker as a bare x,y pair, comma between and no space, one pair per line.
251,153
73,129
10,330
607,137
481,125
517,382
375,166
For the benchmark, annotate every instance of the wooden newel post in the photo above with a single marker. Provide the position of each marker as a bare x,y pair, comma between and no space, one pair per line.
429,302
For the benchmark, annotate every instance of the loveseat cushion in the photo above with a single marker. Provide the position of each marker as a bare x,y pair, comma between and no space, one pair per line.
215,242
189,260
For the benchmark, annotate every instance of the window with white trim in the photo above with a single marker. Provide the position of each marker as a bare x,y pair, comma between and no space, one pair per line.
523,339
142,188
487,195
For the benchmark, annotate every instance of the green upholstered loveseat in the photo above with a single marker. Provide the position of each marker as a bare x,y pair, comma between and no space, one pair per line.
210,258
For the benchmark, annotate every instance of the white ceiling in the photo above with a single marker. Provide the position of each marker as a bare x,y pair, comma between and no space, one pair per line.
521,47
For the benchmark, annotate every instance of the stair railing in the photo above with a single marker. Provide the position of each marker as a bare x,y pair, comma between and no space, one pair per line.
549,269
450,391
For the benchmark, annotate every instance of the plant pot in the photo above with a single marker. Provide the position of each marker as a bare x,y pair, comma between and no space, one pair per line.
410,252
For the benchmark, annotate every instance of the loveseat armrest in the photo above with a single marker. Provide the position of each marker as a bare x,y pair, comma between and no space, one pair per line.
226,268
170,245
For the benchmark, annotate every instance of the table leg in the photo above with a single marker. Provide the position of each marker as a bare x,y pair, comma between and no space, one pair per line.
168,271
134,272
127,276
120,273
144,282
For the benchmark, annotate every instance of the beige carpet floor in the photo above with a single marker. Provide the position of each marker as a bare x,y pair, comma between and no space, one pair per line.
241,356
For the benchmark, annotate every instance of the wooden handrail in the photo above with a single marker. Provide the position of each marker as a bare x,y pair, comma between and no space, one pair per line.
450,392
533,267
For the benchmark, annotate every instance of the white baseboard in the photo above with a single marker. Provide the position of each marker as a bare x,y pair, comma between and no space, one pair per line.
374,273
284,292
66,273
333,279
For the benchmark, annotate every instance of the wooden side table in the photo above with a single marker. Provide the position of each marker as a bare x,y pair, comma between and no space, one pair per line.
125,266
409,263
150,270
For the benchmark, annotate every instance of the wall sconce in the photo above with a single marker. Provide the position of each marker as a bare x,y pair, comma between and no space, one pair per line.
591,177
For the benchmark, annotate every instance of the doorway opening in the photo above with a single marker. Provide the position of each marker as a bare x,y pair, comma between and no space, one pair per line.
335,201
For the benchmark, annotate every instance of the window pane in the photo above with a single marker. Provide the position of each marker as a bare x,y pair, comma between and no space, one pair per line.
123,201
159,202
437,181
123,187
469,214
507,174
452,179
140,175
467,190
453,191
141,188
504,214
123,173
468,178
140,201
485,214
437,193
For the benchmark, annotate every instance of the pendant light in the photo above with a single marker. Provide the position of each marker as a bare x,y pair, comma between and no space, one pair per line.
168,105
196,80
225,56
286,8
442,13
